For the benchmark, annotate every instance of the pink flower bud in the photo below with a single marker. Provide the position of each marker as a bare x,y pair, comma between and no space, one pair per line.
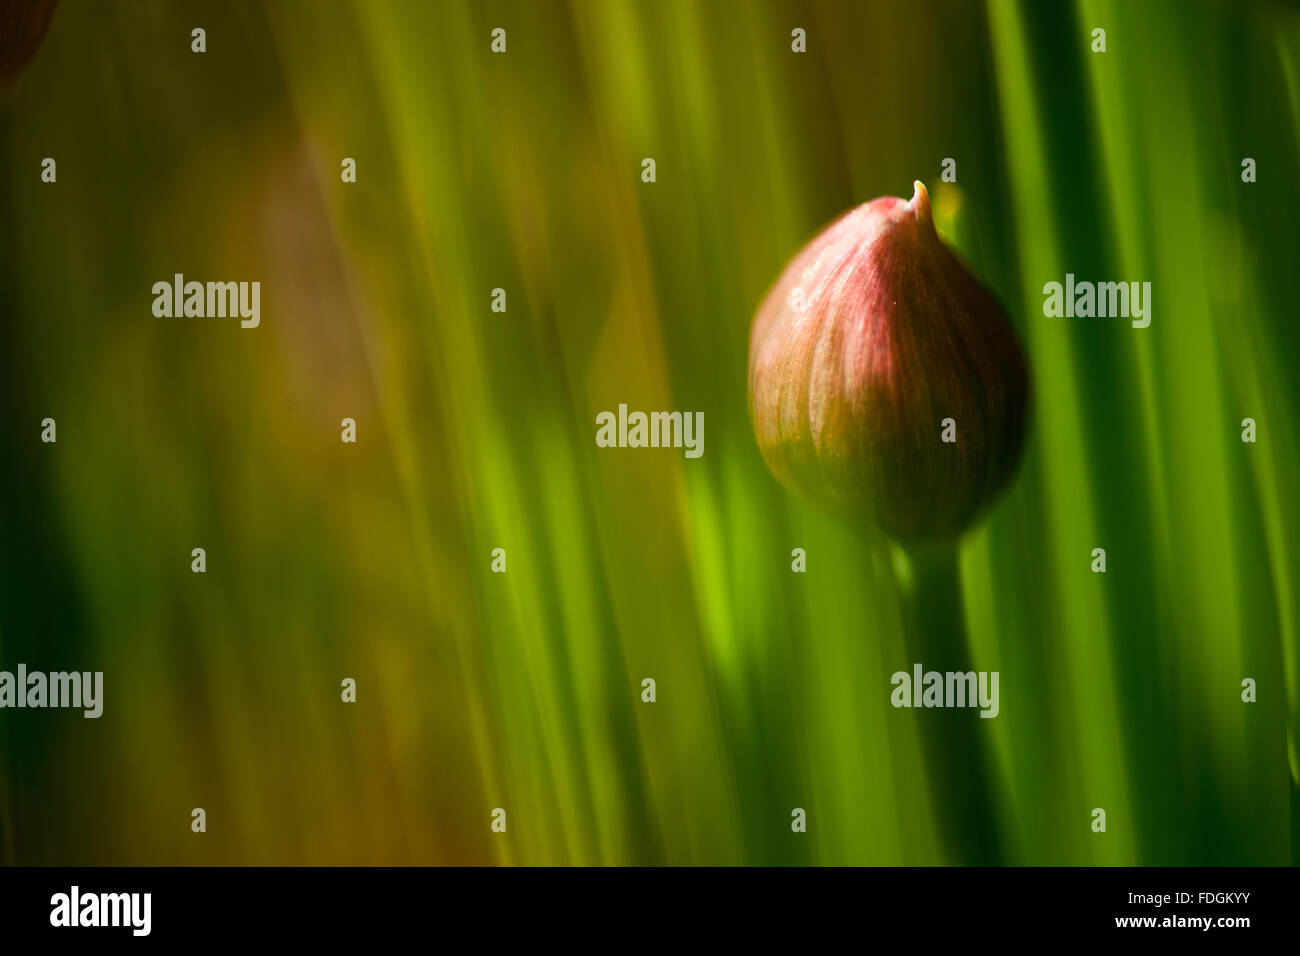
873,338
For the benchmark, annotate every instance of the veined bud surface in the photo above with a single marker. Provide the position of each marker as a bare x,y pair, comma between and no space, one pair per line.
873,337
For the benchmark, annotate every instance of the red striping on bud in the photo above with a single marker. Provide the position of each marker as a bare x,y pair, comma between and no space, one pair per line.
874,335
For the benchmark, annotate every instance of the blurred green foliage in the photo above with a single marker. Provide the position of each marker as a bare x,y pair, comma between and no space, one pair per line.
522,691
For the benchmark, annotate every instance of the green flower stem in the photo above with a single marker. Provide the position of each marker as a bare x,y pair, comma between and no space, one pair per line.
955,740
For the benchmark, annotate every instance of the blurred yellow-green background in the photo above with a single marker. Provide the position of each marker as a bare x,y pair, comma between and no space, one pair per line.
522,171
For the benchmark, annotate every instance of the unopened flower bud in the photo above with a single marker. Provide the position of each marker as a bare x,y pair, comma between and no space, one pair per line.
884,380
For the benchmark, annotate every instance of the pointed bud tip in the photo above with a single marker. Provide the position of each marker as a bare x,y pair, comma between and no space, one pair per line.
921,202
